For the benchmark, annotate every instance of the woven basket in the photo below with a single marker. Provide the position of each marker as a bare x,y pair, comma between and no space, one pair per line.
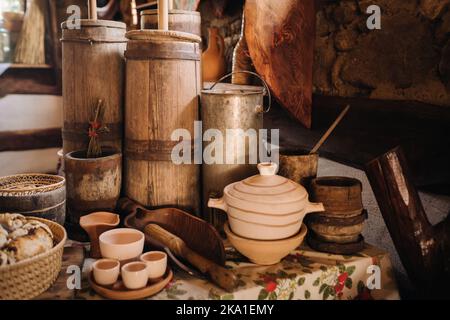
29,183
31,277
34,194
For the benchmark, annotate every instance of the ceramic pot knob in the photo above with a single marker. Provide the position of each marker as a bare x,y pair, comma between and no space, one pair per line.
267,168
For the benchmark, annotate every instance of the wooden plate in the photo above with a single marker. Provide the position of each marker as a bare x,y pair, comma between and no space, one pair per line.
118,291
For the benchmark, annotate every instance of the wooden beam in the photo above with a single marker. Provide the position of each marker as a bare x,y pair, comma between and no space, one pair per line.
30,139
29,80
371,128
423,249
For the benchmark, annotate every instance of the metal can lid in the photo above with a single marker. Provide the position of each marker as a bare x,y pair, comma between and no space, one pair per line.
231,89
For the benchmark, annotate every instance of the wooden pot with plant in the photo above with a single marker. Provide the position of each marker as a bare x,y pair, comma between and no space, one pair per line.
94,175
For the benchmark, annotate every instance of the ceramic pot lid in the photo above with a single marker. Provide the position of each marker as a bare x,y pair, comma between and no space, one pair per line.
267,187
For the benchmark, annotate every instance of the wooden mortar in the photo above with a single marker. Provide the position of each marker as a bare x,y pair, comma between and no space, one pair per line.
298,166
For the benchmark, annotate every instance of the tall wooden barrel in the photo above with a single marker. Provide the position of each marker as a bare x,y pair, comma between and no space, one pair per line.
93,69
179,20
162,89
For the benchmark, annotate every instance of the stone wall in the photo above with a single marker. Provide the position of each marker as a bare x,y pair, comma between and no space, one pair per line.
407,59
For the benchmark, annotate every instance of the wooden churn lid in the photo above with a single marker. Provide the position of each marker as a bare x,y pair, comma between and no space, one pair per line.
94,31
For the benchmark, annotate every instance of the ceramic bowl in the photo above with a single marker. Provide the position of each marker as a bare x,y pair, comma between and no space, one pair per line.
257,231
121,244
265,206
106,271
135,275
265,252
156,262
95,224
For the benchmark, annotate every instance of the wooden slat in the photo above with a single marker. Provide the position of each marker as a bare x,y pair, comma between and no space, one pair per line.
30,139
29,66
28,80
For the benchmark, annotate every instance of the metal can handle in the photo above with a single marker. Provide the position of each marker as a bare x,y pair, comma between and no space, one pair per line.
266,87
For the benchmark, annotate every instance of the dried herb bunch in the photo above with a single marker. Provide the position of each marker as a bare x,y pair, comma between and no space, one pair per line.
96,127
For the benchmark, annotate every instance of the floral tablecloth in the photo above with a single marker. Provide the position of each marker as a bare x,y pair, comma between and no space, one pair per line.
304,274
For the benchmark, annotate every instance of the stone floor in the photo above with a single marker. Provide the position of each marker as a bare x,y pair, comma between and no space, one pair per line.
375,231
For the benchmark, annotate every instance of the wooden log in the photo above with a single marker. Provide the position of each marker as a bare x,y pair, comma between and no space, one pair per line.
93,69
280,37
179,20
30,139
423,249
162,89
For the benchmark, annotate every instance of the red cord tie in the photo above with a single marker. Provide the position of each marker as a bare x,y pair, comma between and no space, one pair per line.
92,133
95,125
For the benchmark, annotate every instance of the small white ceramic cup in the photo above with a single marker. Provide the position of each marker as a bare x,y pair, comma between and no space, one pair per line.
135,275
156,263
106,271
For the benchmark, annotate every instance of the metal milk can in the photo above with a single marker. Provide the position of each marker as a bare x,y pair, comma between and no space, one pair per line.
226,106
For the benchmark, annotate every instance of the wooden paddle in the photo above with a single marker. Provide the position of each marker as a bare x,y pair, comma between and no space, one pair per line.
224,278
280,38
198,234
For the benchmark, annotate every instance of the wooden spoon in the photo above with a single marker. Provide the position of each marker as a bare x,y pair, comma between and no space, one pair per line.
330,130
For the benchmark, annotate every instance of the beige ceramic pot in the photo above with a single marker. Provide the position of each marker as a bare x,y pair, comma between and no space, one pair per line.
265,252
265,206
121,244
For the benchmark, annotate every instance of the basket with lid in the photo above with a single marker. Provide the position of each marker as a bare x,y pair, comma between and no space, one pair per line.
34,194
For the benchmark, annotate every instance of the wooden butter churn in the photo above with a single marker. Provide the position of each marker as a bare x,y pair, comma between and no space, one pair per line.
163,85
93,69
